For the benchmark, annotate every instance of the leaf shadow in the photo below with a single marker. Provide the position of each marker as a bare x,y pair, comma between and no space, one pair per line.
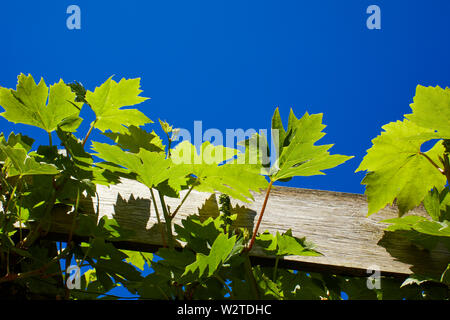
245,216
138,208
426,255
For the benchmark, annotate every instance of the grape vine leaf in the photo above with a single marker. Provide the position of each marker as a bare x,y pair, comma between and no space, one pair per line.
15,141
37,105
19,163
136,138
431,109
397,169
138,259
437,204
277,124
216,170
220,251
298,154
286,244
152,168
107,101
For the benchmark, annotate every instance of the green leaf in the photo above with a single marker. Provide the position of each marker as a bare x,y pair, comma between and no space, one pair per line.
301,285
79,90
404,223
118,267
79,164
285,244
152,168
155,168
432,204
398,169
116,156
419,224
431,110
434,228
15,141
199,235
299,155
277,124
28,104
268,287
18,140
167,128
437,204
138,259
232,178
136,138
19,163
107,102
418,280
219,253
445,278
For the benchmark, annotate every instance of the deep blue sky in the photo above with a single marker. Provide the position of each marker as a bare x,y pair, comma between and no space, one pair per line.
230,63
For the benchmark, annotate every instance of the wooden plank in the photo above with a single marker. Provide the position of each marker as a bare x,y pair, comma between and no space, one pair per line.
335,222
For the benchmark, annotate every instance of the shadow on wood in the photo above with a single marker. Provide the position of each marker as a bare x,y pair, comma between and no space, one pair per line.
335,222
424,258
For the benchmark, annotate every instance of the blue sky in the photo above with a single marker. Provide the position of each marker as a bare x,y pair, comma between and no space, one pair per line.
230,63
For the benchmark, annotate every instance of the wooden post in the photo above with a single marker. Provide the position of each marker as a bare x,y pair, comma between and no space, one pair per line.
335,222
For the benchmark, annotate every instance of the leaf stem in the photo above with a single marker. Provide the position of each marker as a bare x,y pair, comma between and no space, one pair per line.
252,241
446,163
80,264
69,241
89,132
50,139
275,268
13,194
251,277
158,218
181,203
168,220
169,145
432,162
12,277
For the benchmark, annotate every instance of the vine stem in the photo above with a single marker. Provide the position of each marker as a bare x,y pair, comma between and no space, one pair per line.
168,220
12,277
275,268
252,241
158,218
13,194
446,164
251,277
50,139
69,242
89,132
181,203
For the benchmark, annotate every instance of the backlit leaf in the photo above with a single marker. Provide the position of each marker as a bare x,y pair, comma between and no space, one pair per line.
397,169
108,100
36,105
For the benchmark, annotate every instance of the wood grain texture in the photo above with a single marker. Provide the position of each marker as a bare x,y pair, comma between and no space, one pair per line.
335,222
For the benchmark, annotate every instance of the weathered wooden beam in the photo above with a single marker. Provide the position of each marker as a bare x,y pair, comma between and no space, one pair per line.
335,222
